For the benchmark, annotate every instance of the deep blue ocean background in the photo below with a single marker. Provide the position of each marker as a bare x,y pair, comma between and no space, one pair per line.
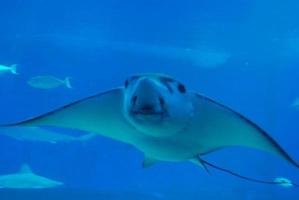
100,43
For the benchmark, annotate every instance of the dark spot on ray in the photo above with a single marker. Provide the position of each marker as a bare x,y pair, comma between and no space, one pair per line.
181,88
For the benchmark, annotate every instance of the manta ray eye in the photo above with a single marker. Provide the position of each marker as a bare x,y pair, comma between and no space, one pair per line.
181,88
126,83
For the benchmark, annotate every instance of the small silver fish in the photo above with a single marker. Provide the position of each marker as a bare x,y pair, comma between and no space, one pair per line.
11,68
49,82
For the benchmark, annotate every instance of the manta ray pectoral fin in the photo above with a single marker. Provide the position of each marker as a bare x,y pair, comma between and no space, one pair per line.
84,113
216,126
148,162
101,114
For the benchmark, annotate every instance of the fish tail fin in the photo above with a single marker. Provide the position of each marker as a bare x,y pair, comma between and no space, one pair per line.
86,137
25,168
13,69
67,82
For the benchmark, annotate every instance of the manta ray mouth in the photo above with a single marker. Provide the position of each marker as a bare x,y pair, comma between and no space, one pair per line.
149,113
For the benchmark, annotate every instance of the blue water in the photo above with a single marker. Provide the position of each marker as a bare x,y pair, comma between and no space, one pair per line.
100,43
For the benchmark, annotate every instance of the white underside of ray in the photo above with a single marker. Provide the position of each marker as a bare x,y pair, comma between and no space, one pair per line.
100,114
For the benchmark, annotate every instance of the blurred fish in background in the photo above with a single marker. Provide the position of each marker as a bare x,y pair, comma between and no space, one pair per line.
25,178
36,134
295,104
49,82
12,69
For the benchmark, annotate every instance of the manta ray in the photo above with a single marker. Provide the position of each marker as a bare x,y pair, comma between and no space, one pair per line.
159,116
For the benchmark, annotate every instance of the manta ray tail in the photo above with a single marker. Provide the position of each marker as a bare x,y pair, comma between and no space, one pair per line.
281,183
